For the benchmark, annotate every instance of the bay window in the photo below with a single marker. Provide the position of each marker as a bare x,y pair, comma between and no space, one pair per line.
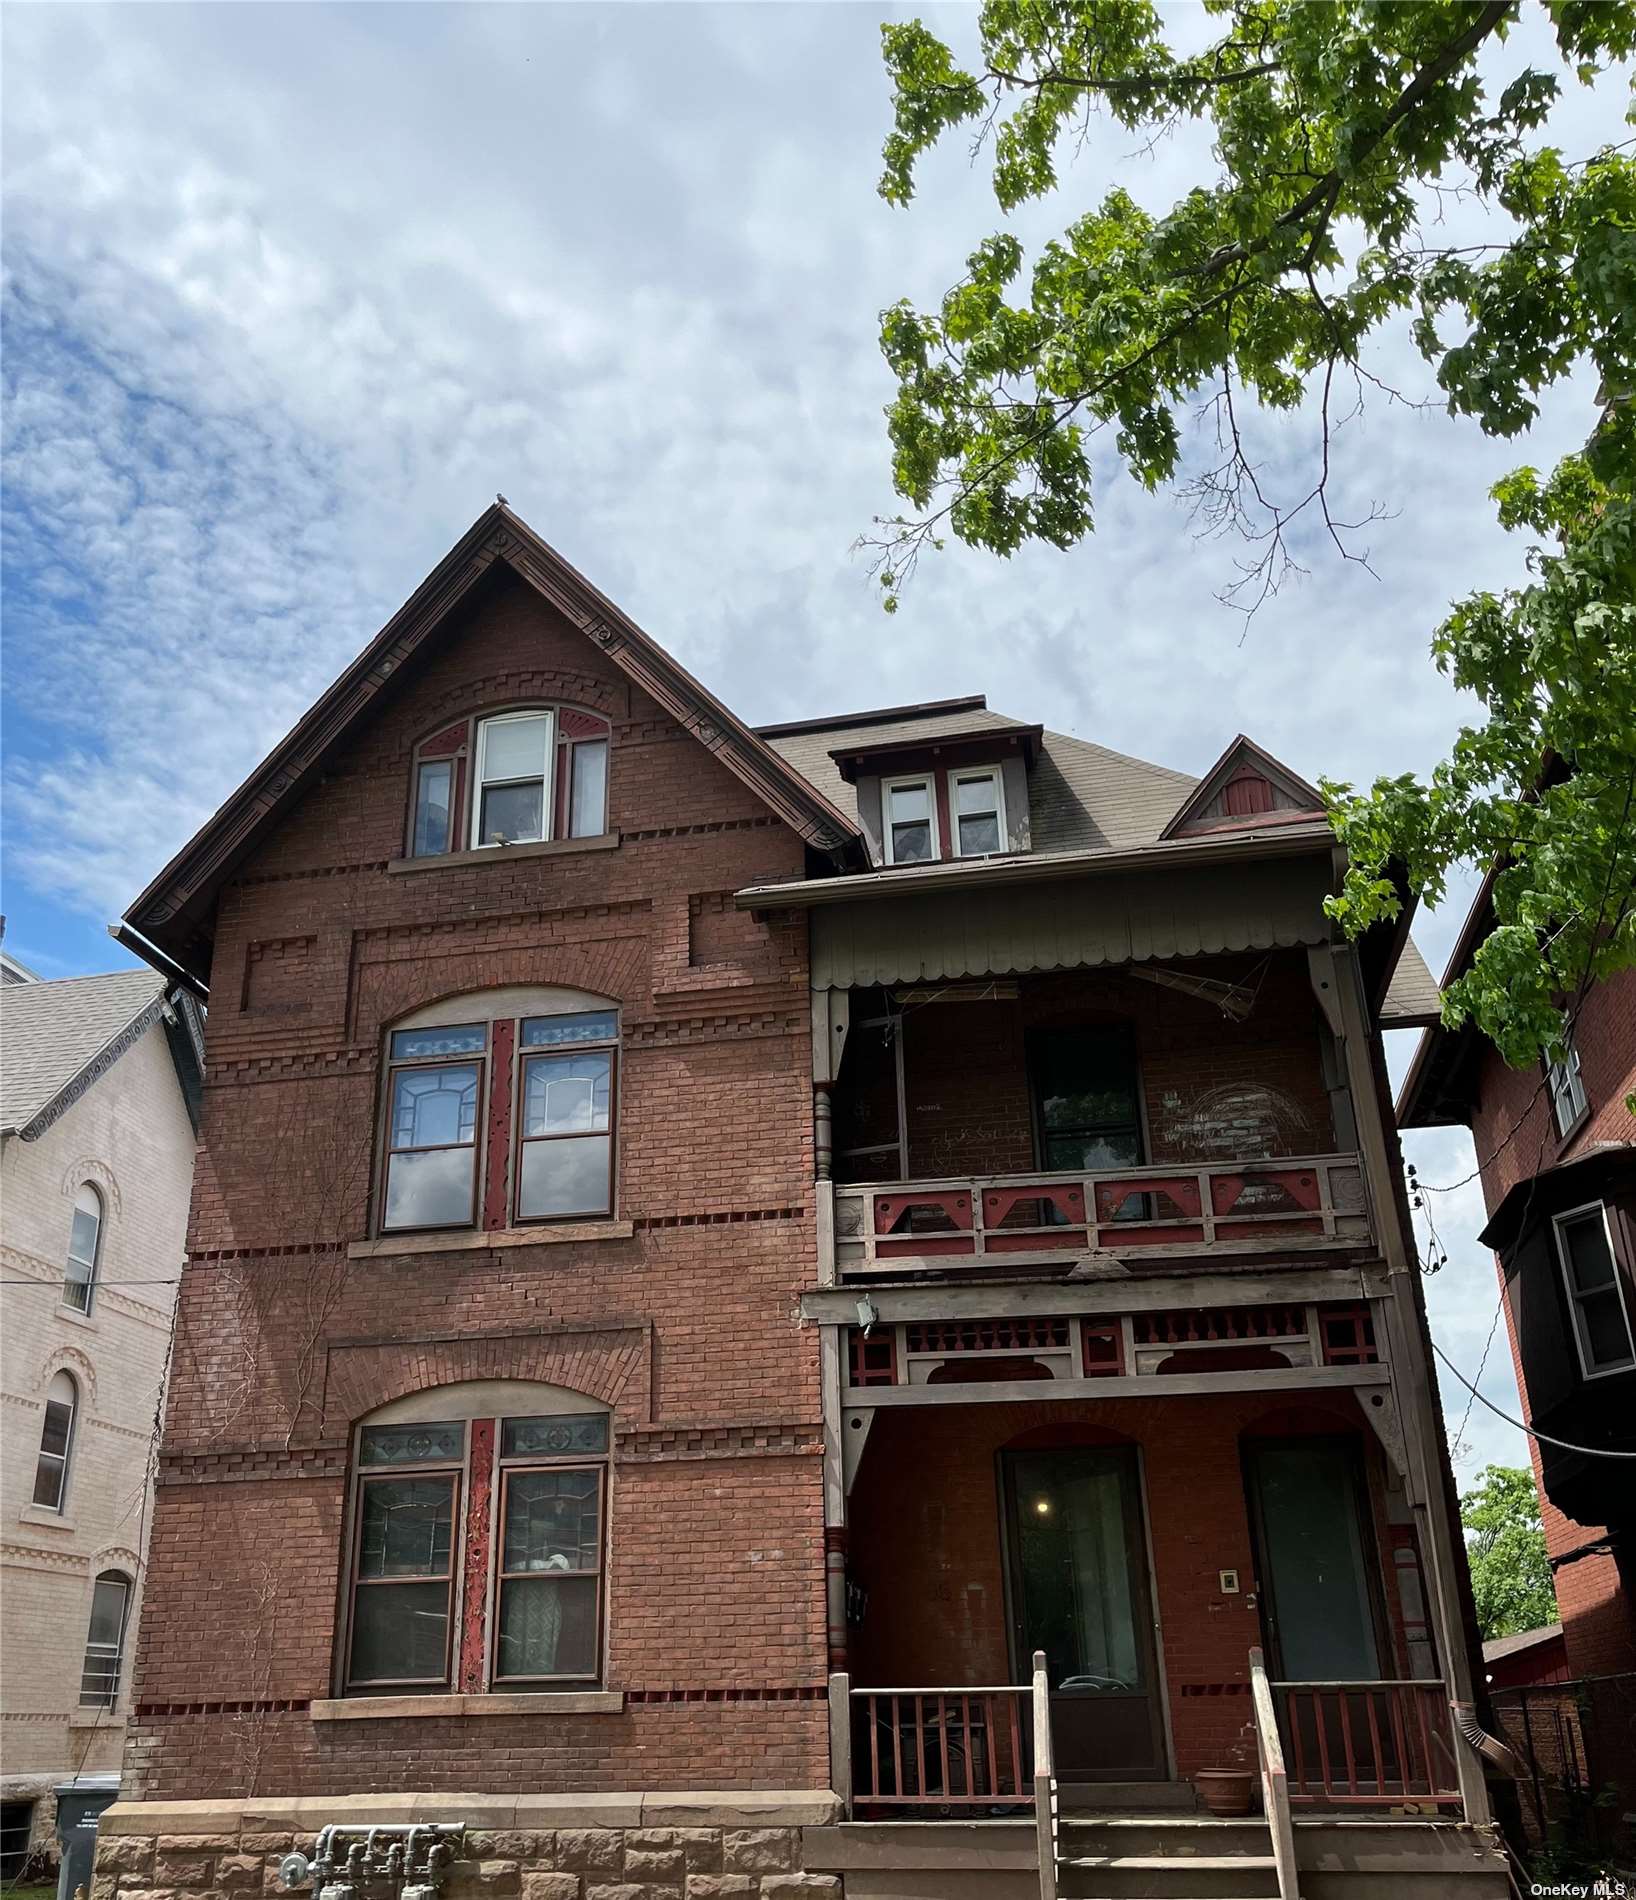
503,1515
523,776
510,1119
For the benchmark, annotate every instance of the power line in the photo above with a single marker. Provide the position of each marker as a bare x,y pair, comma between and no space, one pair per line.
1586,1451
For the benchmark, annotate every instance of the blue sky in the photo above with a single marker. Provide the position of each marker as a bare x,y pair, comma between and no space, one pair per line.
291,292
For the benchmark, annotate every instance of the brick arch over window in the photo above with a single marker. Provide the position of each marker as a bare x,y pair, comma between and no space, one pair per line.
612,1365
493,690
615,970
71,1360
101,1177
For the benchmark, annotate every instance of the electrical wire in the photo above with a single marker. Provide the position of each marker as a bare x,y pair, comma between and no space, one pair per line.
1586,1451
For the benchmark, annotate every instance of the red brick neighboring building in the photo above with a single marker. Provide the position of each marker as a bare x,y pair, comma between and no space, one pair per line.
698,1231
1556,1145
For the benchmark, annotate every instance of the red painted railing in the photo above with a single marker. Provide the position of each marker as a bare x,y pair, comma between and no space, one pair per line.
1239,1206
1368,1744
941,1749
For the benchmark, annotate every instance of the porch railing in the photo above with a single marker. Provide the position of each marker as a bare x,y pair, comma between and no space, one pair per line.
1274,1781
1045,1780
1368,1744
941,1749
1243,1206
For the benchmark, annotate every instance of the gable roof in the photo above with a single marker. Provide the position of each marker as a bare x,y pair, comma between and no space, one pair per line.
1413,1000
1243,756
56,1038
174,913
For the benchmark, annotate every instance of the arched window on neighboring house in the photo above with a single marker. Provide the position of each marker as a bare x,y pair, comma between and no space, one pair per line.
105,1641
56,1442
84,1244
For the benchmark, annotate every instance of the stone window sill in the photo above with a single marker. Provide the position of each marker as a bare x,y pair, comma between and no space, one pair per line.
74,1316
374,1708
503,853
475,1242
51,1520
86,1722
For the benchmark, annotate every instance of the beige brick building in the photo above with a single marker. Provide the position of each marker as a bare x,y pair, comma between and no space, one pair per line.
96,1162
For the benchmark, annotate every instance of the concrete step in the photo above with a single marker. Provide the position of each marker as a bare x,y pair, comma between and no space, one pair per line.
1167,1877
1176,1836
1120,1797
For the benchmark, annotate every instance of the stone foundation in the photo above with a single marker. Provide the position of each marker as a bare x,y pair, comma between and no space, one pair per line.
573,1847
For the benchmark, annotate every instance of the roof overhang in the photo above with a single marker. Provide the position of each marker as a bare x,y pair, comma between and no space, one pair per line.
983,746
175,913
1031,868
1608,1167
1440,1088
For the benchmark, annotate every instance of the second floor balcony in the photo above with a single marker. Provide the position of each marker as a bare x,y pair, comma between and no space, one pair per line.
1086,1116
1295,1205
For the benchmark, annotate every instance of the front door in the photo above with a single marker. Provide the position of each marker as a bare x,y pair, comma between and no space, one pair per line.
1078,1588
1318,1608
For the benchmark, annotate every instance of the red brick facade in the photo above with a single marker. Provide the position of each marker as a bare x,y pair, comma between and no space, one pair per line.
682,1323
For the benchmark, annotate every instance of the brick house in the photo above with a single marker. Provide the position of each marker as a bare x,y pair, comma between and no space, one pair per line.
1556,1145
651,1172
99,1081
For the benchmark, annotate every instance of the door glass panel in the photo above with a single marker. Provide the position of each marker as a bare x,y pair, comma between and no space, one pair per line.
1075,1570
1313,1547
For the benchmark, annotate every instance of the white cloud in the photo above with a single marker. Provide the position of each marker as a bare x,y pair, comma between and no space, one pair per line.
291,292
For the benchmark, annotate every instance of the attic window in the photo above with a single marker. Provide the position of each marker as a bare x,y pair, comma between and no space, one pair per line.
979,812
1246,793
516,777
911,820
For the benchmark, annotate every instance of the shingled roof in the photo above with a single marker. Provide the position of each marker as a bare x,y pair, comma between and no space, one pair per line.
1082,797
52,1035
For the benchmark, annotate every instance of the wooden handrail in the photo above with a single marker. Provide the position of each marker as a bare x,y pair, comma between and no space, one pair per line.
1045,1781
1274,1780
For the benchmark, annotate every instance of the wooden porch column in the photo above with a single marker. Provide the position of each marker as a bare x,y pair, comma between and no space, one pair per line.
829,1373
1408,1359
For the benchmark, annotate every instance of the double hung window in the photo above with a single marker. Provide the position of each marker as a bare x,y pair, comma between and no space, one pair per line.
84,1244
1567,1090
510,1120
979,813
1597,1299
910,820
504,1515
520,777
56,1442
105,1641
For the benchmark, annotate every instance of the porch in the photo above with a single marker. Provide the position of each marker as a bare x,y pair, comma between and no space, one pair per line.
1144,1548
1196,1110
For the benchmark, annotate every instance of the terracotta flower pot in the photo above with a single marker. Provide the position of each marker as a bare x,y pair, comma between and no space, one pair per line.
1226,1790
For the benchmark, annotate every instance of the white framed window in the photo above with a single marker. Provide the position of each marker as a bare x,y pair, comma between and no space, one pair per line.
105,1641
909,820
977,812
1567,1090
84,1244
56,1442
511,799
1596,1294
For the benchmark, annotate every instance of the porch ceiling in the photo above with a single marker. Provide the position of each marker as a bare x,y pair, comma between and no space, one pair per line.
931,935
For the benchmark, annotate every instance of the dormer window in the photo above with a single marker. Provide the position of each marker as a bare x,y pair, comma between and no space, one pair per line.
520,777
911,821
978,799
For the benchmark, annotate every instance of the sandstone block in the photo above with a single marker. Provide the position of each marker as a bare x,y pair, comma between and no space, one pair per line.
239,1870
590,1850
654,1863
550,1887
758,1850
125,1854
801,1887
722,1886
184,1870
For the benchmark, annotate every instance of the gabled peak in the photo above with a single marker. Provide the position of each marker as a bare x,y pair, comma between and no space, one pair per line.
1245,790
